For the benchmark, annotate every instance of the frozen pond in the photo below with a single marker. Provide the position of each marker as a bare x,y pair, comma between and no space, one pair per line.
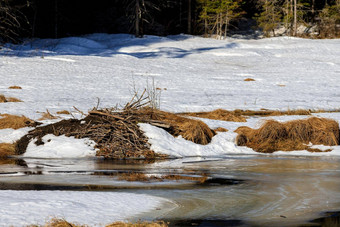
245,190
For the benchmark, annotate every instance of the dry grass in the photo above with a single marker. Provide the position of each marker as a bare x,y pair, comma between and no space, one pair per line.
219,114
15,122
190,129
47,116
220,129
55,222
6,149
292,135
15,87
135,176
4,99
265,113
249,79
64,112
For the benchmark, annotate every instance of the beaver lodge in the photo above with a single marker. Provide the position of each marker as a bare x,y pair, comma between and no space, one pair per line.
116,132
292,135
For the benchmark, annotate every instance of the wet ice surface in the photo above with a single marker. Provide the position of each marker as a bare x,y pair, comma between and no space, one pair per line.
257,190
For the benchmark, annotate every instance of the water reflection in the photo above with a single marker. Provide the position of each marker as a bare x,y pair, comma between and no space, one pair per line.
254,190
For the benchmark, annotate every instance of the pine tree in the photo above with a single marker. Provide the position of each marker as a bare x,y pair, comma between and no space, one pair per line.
217,15
330,21
270,17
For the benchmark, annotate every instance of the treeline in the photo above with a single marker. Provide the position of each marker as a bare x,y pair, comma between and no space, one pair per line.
218,18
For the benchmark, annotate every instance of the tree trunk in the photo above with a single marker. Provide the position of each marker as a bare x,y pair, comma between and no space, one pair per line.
189,16
137,21
295,17
56,19
34,25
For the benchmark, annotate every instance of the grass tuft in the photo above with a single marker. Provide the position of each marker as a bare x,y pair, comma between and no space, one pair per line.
4,99
190,129
15,122
14,87
293,135
220,129
47,116
56,222
6,149
219,114
249,79
64,112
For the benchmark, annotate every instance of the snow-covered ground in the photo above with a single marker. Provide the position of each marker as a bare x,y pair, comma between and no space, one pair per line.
23,208
192,73
197,73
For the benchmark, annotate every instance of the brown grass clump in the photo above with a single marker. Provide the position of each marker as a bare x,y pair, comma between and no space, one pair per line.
249,79
292,135
56,222
15,87
135,176
64,112
220,129
6,149
219,114
266,113
47,116
4,99
190,129
15,122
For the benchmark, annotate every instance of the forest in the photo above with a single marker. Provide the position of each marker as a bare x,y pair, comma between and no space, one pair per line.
212,18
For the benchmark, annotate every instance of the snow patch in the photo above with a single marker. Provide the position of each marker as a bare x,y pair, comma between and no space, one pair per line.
22,208
61,147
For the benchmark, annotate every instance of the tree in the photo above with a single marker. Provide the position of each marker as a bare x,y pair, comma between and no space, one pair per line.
271,16
12,21
217,15
330,21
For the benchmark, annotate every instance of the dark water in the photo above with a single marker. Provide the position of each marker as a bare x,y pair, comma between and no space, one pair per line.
238,190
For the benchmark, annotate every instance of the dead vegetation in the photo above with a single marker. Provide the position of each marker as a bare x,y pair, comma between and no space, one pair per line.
6,150
4,99
47,116
137,176
15,87
15,122
249,79
292,135
219,114
241,115
220,129
268,113
63,112
56,222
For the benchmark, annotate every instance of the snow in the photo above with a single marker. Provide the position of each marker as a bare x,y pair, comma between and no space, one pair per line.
23,208
194,74
61,147
10,135
199,74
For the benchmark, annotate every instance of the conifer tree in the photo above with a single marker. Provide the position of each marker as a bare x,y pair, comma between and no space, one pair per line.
271,16
217,15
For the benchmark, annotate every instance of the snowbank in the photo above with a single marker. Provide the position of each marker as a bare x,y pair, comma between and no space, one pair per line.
22,208
61,147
